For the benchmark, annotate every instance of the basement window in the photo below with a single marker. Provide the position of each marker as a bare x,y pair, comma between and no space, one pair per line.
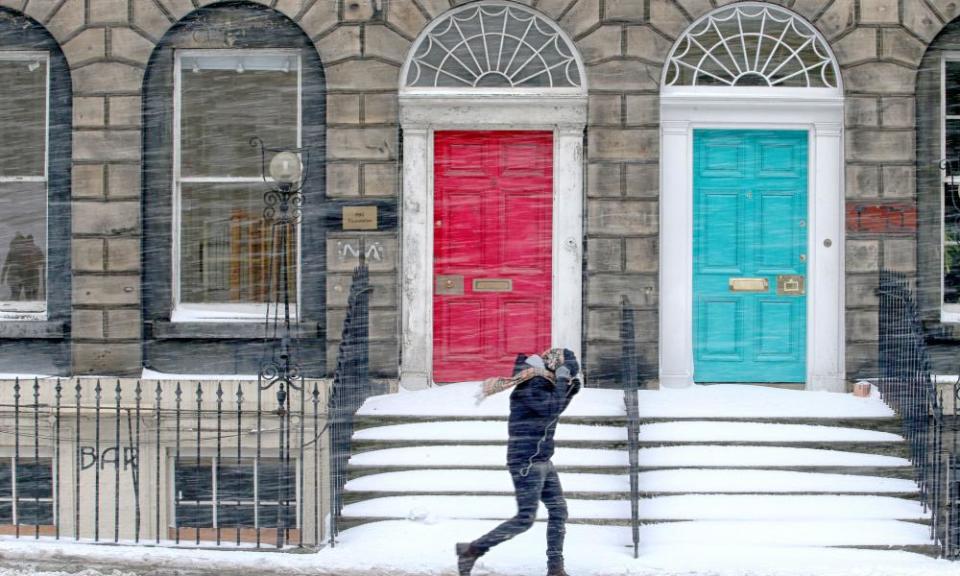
26,491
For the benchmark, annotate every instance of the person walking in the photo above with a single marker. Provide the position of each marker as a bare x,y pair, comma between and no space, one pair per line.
543,386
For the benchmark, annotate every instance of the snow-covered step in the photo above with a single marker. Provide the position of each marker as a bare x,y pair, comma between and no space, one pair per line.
682,431
663,508
459,401
733,401
687,456
789,533
675,481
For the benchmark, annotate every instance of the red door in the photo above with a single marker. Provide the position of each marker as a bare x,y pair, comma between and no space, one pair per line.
493,202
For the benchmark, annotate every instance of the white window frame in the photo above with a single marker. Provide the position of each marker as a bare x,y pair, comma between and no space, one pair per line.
948,312
216,312
214,462
33,311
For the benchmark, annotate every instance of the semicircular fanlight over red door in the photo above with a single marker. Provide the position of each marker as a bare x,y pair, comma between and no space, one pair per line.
493,201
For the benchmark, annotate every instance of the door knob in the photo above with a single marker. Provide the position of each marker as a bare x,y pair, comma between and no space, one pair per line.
438,223
803,257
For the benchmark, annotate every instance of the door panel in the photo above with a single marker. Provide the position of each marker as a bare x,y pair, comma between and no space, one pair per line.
750,212
493,199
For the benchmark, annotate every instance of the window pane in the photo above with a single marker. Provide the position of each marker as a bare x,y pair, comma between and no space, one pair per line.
189,514
23,123
234,482
222,109
271,482
23,242
6,477
951,241
194,482
29,512
272,515
6,512
34,479
234,515
953,88
225,243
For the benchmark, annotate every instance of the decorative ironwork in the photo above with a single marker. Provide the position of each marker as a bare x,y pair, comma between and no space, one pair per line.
203,441
907,384
752,45
351,387
492,45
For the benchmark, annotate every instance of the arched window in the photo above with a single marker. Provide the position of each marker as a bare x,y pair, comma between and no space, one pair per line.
492,45
35,156
751,45
224,75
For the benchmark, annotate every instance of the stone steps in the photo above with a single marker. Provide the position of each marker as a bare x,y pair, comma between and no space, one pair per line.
697,475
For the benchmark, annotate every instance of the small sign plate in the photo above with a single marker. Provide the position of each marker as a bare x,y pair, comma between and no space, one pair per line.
359,217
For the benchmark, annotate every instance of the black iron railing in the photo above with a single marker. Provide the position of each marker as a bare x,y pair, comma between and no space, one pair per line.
629,373
161,463
907,384
351,387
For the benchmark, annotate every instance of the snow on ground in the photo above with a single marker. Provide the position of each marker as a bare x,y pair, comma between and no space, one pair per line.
686,431
661,481
741,401
405,548
714,401
685,507
661,457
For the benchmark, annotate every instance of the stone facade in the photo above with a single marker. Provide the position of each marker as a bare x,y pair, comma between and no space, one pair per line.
362,43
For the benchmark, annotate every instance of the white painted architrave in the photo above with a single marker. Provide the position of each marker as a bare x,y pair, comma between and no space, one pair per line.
423,112
816,110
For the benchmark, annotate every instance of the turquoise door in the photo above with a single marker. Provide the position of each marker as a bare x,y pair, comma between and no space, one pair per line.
749,259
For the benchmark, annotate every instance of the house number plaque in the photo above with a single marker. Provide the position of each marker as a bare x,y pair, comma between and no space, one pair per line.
359,217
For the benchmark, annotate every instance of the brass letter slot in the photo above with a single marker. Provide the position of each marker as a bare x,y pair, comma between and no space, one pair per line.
451,285
749,285
791,285
493,285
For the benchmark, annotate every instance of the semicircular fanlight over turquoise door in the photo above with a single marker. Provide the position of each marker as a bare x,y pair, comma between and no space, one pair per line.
749,259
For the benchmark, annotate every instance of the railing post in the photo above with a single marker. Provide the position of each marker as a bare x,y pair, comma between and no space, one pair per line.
628,373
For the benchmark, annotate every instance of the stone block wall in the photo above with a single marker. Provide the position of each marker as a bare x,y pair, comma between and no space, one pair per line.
362,43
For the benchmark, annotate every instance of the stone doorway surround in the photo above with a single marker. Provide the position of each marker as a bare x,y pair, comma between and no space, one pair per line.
686,106
424,110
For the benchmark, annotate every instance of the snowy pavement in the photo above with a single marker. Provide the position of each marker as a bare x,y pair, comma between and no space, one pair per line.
407,548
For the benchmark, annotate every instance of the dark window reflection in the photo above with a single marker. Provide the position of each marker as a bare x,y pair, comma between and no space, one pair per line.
951,244
241,496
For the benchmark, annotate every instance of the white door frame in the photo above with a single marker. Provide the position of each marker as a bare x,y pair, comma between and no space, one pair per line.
561,112
818,111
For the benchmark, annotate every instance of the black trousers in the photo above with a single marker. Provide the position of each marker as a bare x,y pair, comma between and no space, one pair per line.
540,483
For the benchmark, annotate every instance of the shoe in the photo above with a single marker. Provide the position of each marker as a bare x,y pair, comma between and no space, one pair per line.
467,556
556,570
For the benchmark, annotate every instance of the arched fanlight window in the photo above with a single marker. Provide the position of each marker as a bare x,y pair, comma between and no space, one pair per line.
752,45
493,45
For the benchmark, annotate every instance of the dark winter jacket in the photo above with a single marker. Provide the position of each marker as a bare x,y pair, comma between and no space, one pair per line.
535,408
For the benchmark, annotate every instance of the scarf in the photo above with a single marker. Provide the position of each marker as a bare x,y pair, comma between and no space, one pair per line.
552,359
